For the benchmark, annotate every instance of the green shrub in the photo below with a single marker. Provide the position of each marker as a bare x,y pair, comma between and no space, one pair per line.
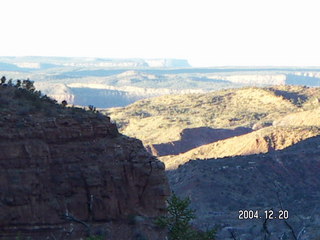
178,221
92,108
3,80
28,85
64,103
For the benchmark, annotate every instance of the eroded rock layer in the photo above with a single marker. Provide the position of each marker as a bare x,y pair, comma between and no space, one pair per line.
67,177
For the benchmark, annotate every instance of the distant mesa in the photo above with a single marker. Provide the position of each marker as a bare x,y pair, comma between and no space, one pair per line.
110,82
168,63
51,62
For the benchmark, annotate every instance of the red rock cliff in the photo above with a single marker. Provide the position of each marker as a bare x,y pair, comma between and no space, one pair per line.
64,177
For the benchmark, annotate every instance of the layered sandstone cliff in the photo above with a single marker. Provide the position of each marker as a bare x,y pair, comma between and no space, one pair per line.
71,176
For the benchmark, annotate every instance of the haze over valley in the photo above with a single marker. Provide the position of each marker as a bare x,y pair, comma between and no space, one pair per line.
108,83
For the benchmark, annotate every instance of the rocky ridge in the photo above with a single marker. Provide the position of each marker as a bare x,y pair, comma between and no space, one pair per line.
260,141
179,128
72,175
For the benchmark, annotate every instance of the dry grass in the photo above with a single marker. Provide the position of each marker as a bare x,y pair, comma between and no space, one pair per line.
161,119
294,109
261,141
20,107
304,118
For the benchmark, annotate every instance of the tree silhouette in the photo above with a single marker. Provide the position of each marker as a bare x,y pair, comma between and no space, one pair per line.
3,80
28,85
178,221
64,103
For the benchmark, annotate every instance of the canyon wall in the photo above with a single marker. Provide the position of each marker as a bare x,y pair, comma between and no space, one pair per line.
69,177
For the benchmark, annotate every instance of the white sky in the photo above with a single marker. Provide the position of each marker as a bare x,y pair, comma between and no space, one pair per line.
206,32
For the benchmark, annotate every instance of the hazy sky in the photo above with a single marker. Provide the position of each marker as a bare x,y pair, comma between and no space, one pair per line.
206,32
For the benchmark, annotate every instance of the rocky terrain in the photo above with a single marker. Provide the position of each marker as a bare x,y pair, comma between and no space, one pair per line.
284,132
162,119
88,179
222,123
260,141
272,164
66,173
305,118
286,179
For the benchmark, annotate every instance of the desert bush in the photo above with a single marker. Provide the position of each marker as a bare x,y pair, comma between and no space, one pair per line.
92,108
28,85
64,103
178,221
3,80
18,83
10,83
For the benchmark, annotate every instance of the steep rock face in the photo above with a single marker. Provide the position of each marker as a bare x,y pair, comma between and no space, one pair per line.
57,91
63,177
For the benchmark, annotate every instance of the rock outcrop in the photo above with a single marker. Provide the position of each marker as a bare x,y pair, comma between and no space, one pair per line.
65,177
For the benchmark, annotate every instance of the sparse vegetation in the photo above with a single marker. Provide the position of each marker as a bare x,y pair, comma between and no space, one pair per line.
260,141
178,221
162,120
92,108
22,97
3,80
221,109
64,103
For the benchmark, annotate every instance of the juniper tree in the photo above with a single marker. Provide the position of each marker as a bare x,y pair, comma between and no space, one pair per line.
177,221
